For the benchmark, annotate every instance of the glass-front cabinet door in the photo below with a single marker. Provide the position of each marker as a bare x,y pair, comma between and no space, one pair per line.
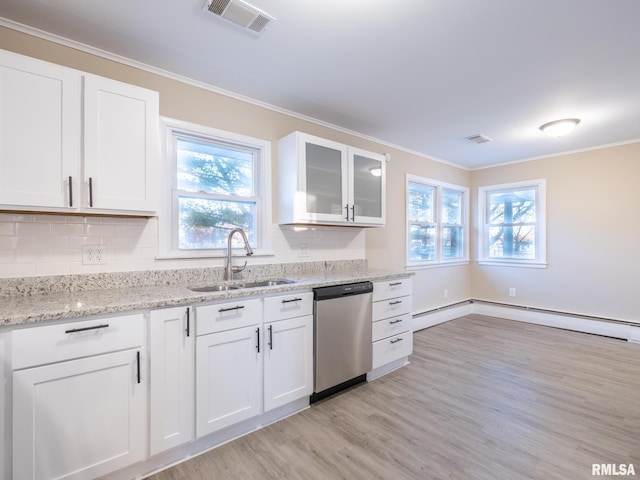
329,183
367,201
325,177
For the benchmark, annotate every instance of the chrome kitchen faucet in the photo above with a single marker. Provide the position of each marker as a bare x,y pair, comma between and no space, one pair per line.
231,270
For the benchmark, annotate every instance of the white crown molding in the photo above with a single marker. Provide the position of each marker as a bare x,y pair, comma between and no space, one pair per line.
26,29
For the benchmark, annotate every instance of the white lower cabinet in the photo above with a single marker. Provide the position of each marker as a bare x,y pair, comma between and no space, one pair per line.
245,367
228,378
288,361
172,370
392,332
74,416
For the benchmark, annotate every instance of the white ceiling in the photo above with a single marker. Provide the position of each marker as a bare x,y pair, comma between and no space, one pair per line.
419,74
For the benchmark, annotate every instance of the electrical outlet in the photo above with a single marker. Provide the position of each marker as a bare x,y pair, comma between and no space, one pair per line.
94,254
303,250
512,292
446,294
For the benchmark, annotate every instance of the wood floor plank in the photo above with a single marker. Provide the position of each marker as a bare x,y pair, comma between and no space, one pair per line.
483,398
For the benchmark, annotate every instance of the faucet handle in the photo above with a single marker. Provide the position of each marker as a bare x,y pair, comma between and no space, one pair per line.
238,269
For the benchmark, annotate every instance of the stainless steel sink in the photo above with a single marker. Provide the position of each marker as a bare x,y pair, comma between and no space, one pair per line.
269,283
224,288
215,288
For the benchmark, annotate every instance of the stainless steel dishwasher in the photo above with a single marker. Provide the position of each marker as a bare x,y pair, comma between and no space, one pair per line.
342,337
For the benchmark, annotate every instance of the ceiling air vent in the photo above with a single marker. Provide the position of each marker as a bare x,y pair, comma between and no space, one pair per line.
240,13
479,138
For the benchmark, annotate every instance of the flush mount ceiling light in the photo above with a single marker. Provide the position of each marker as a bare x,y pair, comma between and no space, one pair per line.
559,128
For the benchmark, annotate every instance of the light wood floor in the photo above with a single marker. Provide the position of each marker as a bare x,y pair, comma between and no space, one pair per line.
483,398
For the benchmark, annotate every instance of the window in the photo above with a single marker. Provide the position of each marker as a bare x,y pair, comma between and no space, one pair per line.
219,181
437,223
512,220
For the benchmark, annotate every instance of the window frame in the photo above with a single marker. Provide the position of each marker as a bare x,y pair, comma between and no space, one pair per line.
540,260
438,186
168,211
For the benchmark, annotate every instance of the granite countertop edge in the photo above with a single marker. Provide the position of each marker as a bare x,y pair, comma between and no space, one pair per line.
32,309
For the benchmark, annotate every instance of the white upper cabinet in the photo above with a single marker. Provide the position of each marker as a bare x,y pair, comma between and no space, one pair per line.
325,182
40,134
120,145
47,114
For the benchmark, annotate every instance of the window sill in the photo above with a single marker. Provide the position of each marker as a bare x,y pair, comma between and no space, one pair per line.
201,255
515,263
426,266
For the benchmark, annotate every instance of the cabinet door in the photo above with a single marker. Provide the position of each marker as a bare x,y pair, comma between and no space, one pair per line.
367,198
288,361
171,353
121,125
228,378
323,178
79,419
39,134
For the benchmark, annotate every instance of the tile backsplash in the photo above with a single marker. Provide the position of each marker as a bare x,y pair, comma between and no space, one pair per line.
41,244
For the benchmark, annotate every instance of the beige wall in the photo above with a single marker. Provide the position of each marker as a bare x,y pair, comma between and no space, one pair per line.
51,244
386,246
592,197
592,235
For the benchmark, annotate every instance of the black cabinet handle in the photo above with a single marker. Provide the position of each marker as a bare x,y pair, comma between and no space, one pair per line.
258,337
90,192
292,300
395,321
84,329
396,302
395,284
396,340
353,213
138,365
346,207
70,191
188,329
237,307
270,337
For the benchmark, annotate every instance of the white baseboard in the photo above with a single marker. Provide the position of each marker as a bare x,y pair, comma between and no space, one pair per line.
435,317
559,320
538,317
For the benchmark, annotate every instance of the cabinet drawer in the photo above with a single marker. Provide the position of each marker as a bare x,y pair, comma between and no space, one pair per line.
391,326
390,349
65,341
398,287
288,306
228,316
393,307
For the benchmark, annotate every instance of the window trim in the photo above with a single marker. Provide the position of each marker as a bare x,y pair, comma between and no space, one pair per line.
438,261
168,209
541,225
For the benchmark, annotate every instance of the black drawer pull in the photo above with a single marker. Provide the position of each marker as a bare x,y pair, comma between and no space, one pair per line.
395,284
70,191
237,307
258,339
188,322
84,329
270,337
395,321
90,192
292,300
396,302
138,366
396,340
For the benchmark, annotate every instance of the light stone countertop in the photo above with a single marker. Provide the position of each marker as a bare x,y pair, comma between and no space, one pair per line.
40,307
